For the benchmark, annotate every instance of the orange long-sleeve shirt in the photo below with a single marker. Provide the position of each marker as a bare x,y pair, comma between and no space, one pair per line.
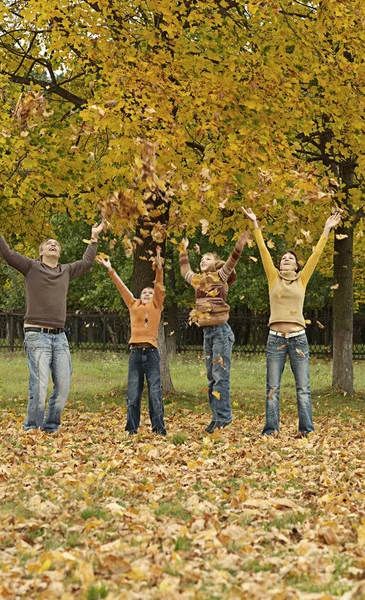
145,318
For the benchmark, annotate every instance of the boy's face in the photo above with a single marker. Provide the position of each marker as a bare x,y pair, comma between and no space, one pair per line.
146,295
207,263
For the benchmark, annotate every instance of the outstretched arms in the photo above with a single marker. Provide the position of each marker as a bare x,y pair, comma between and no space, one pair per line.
121,287
270,270
312,261
14,259
159,288
84,265
185,268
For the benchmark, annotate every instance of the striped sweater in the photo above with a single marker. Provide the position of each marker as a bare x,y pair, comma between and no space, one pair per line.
211,290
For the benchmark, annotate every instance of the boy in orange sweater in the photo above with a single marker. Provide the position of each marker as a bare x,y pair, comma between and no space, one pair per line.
144,358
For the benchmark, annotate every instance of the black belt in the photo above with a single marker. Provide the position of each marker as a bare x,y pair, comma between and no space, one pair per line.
44,330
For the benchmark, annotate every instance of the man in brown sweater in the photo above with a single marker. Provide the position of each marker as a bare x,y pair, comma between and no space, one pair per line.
45,341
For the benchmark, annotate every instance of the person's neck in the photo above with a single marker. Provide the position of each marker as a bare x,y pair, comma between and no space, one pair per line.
50,262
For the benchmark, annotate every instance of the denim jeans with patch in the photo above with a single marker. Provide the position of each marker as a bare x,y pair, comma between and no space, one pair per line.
144,362
277,350
218,343
47,353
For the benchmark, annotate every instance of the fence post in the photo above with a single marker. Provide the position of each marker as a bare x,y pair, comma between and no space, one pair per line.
11,332
104,333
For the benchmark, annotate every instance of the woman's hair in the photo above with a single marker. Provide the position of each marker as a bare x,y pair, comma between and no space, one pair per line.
218,263
296,258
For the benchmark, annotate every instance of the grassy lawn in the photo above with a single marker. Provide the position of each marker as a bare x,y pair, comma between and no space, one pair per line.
90,513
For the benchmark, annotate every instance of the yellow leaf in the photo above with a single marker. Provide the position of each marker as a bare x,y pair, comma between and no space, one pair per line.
217,395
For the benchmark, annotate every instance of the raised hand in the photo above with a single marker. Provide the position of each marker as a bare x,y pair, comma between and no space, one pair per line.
105,262
249,213
158,261
96,230
333,220
184,244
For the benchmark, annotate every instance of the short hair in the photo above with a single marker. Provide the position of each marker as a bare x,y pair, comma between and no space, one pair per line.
295,256
44,241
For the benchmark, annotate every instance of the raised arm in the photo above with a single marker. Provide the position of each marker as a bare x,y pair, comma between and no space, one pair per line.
159,288
126,294
14,259
84,265
225,271
270,269
312,261
185,268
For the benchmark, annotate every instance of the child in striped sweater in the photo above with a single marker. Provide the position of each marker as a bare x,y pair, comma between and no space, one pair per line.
211,313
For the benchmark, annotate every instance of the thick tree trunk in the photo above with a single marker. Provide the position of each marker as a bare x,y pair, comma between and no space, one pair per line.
166,381
343,312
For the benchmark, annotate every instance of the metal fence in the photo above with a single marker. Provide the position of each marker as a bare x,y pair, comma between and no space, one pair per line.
104,332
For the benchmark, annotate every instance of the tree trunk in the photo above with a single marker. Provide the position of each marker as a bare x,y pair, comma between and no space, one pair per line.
343,313
166,381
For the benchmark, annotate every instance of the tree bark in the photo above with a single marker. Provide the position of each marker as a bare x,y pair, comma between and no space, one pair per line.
343,313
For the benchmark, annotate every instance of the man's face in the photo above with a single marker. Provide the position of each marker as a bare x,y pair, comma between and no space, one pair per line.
207,263
146,295
51,248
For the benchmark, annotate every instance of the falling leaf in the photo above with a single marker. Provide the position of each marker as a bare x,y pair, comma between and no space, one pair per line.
270,244
281,347
307,321
319,324
300,352
205,225
171,333
102,255
216,395
143,258
341,236
335,286
253,258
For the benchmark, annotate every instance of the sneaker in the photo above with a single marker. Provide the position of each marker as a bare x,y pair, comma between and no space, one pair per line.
223,424
211,427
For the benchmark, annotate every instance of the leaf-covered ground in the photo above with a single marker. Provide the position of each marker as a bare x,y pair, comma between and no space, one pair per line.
90,513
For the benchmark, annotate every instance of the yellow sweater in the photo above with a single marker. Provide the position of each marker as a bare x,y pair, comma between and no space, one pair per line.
287,288
145,318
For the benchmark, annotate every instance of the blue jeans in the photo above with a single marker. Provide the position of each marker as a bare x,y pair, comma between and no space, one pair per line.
47,352
144,361
218,343
276,351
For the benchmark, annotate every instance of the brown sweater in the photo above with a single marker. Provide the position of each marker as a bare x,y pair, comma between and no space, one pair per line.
145,318
211,290
46,287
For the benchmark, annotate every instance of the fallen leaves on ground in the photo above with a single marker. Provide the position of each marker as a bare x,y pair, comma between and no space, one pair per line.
91,513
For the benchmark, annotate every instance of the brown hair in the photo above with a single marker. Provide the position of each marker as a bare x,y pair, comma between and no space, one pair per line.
296,258
44,241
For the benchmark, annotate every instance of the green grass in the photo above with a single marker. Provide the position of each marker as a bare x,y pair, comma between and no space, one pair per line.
101,378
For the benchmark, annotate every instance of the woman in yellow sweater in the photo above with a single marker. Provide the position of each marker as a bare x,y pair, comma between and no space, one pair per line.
287,335
144,357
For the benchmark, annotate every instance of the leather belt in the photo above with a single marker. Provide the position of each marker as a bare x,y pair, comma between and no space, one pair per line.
44,330
286,335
